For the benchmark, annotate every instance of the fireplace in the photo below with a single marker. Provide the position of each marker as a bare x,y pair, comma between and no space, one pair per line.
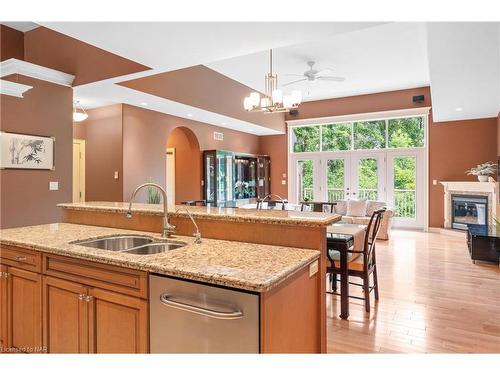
469,209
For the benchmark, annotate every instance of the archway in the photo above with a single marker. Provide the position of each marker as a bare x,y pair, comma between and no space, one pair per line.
187,164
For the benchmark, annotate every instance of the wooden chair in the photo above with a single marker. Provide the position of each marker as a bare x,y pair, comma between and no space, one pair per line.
271,204
362,263
319,206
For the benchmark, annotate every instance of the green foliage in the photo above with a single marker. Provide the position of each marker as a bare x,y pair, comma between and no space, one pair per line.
369,135
406,132
336,137
307,139
367,173
405,171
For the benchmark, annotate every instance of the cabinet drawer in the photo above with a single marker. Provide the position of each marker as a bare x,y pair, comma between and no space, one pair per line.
30,260
122,280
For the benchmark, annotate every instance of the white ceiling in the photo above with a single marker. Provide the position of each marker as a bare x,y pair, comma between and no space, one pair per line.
464,65
21,26
168,46
382,58
459,60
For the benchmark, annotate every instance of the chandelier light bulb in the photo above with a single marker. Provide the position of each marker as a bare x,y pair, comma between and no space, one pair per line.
296,97
255,99
277,96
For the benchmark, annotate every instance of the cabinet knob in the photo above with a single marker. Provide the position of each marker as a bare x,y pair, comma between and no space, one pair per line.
81,297
89,298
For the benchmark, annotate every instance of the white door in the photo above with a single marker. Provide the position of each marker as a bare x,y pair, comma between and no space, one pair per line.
405,187
368,176
170,173
306,181
78,170
336,177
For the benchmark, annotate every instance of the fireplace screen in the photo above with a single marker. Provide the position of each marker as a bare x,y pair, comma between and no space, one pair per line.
469,209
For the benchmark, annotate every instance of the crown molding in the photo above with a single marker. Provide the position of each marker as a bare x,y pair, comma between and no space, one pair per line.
15,66
13,88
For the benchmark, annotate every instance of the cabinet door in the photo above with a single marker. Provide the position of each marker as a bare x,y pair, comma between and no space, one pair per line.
119,323
3,306
65,316
24,310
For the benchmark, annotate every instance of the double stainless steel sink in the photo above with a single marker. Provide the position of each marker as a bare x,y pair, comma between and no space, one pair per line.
130,244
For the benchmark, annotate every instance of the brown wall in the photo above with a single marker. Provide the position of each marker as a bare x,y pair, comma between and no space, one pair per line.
276,147
11,43
25,196
145,137
498,135
205,88
102,132
188,167
88,63
454,147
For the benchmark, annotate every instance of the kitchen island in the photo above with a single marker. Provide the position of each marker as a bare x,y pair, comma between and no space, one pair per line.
61,296
305,230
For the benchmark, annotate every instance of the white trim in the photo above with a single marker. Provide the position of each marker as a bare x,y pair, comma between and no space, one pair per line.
420,111
15,66
13,88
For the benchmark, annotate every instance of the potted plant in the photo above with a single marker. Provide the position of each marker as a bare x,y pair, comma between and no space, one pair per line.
482,171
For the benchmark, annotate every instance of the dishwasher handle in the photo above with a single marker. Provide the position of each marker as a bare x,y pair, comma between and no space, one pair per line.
168,300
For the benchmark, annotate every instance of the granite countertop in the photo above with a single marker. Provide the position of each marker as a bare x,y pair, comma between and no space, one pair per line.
214,213
247,266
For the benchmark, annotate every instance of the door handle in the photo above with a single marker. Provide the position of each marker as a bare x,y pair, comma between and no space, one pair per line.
168,300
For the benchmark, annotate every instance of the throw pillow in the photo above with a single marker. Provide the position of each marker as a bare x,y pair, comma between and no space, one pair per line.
373,206
341,208
356,208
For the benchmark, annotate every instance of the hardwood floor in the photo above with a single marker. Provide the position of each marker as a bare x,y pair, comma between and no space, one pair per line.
433,299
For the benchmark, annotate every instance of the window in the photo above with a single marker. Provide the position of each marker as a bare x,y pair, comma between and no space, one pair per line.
336,137
306,139
406,132
369,135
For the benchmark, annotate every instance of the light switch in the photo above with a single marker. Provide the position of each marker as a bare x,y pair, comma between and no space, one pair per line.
283,175
283,182
434,182
53,185
116,175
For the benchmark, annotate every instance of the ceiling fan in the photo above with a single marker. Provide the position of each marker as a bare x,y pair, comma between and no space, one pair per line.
312,75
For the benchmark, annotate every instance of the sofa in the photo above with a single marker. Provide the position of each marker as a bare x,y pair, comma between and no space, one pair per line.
361,215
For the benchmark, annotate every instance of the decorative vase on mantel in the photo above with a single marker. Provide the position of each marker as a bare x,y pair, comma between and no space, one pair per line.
482,178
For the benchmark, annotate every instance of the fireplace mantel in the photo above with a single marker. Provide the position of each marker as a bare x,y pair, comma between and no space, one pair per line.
489,189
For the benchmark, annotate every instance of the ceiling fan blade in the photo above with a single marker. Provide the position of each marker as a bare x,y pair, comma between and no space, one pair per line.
293,75
330,78
324,71
291,83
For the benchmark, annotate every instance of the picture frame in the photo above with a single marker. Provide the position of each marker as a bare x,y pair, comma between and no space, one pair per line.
27,151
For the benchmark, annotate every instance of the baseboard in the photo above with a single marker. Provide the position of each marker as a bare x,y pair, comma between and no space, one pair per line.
448,232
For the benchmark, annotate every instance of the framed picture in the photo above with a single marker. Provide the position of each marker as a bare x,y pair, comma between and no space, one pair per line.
23,151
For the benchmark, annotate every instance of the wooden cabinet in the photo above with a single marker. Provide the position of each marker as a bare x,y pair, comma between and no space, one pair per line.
65,305
3,306
81,319
65,316
118,323
24,310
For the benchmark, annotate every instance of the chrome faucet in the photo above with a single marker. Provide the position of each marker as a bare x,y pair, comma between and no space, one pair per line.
168,229
196,234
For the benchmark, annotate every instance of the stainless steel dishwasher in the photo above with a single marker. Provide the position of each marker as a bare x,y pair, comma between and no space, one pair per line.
190,317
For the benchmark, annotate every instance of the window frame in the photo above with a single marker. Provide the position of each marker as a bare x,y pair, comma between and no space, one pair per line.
422,112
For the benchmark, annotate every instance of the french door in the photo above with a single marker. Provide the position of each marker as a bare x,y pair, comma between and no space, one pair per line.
395,177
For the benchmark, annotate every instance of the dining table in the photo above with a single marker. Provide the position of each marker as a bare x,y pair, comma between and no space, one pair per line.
344,237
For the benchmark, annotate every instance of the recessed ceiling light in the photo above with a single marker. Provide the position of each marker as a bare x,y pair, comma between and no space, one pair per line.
189,115
144,104
459,109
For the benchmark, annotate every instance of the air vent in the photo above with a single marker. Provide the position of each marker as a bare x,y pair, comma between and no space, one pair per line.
218,136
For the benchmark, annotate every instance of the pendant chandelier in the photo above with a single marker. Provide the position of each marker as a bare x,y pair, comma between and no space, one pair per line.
273,99
79,113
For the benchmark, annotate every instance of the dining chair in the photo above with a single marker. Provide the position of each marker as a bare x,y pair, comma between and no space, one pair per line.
271,204
195,203
361,263
319,206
